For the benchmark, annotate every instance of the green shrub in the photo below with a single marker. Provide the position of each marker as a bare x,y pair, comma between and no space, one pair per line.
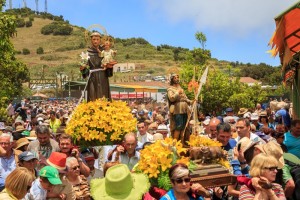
40,50
57,28
63,30
25,51
28,24
31,18
47,30
20,22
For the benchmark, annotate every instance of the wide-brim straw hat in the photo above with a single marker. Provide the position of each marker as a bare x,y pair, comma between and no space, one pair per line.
21,142
119,184
242,111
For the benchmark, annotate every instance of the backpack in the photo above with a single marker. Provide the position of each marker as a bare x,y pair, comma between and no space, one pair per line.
295,172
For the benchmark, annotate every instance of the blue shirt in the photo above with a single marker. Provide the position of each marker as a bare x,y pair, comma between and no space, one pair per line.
292,144
171,196
36,191
7,165
231,143
285,117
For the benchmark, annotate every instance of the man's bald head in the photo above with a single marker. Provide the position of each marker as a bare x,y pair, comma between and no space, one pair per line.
214,122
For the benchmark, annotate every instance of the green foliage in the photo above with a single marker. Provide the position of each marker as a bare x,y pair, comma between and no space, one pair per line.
20,22
28,23
40,50
31,18
57,28
163,180
201,38
25,51
132,41
221,91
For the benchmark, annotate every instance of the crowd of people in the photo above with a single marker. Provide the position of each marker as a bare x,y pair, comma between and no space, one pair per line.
39,161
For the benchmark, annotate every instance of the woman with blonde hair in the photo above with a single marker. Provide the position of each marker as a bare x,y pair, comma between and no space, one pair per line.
263,170
17,184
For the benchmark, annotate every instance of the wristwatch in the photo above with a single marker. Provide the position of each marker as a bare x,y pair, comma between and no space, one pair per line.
243,163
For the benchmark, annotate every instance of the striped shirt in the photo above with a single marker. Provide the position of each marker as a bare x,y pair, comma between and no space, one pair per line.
248,194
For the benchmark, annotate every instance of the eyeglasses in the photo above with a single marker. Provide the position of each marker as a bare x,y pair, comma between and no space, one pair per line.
76,167
272,169
181,180
5,143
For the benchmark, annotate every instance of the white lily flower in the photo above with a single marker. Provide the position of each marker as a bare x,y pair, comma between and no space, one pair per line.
84,55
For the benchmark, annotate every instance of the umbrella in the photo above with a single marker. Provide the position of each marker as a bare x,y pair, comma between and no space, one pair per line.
40,95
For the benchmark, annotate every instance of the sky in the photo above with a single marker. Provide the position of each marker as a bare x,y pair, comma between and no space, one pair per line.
236,30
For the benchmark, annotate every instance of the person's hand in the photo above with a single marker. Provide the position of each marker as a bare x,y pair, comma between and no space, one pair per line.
235,153
200,190
75,153
255,184
62,196
218,192
120,149
241,157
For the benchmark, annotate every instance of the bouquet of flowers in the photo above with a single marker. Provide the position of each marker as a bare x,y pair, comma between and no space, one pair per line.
100,122
84,67
156,159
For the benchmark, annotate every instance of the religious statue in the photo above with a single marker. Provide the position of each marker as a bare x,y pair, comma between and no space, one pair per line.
108,55
178,108
98,82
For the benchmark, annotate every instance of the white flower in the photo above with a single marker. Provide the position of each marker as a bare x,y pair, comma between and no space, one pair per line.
84,56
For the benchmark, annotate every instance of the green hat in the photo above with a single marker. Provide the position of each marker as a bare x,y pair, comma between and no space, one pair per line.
119,183
51,174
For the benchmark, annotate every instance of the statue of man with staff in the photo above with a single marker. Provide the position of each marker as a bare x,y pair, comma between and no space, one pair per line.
179,109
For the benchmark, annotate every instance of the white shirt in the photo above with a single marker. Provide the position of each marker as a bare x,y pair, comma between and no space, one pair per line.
145,138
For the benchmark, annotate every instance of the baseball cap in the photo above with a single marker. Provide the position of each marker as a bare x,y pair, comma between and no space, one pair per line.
26,156
51,174
229,110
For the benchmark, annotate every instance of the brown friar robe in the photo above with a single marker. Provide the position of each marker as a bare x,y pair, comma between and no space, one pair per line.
98,85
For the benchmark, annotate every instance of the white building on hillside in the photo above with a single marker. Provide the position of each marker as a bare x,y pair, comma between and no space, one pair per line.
124,67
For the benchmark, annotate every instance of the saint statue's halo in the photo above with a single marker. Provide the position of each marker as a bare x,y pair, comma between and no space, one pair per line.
100,29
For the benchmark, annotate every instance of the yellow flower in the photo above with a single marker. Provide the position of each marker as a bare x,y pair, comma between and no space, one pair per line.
95,120
184,160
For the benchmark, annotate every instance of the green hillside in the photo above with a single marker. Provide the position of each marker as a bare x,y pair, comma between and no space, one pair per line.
61,52
58,57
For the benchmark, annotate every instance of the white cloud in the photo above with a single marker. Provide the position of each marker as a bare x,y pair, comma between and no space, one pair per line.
236,17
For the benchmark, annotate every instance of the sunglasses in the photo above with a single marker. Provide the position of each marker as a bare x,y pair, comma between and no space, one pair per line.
272,169
181,180
76,167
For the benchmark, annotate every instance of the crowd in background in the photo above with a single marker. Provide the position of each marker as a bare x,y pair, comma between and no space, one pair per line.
39,161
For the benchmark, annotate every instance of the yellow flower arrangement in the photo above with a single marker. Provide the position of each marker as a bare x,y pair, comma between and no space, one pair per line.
199,141
157,158
100,122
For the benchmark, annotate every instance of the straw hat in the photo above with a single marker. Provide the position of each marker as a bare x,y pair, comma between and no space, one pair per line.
20,128
21,142
246,143
119,183
242,111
